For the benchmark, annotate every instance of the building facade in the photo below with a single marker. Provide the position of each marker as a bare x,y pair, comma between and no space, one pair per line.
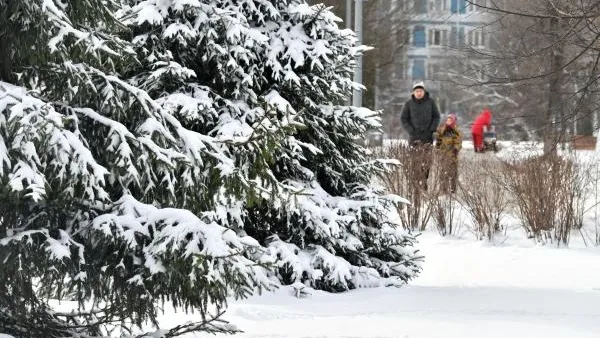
437,35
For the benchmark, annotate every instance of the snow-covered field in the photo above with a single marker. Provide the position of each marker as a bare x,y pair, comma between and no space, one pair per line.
468,289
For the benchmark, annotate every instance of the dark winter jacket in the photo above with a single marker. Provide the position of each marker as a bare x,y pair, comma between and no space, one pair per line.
420,118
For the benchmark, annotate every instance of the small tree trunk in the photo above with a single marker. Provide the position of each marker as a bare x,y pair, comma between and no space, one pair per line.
555,125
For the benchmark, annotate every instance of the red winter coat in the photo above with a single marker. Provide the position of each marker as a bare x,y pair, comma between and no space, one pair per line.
484,119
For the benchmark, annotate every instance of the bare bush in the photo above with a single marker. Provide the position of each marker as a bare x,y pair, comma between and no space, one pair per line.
409,180
549,193
442,202
444,211
483,195
585,190
582,183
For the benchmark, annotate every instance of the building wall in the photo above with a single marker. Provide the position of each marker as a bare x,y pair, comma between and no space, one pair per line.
436,33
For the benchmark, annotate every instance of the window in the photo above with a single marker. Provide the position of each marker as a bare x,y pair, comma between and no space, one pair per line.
419,36
476,38
461,36
458,37
469,6
418,69
441,5
453,37
438,37
420,6
458,6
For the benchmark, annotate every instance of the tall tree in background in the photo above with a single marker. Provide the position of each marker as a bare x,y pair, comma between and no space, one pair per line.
385,31
546,58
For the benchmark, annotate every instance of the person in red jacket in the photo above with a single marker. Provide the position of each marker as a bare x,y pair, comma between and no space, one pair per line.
483,120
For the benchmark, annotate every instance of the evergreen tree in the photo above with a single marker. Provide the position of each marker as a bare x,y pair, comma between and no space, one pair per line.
335,231
272,77
96,184
172,150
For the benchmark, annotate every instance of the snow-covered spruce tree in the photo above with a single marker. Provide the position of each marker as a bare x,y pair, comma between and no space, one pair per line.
335,232
102,195
271,78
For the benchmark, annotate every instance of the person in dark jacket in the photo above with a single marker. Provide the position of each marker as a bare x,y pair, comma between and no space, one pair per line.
420,118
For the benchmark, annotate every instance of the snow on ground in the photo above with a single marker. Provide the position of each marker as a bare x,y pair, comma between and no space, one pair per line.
426,312
467,289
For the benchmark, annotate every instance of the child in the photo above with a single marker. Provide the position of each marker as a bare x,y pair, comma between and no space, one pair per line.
449,142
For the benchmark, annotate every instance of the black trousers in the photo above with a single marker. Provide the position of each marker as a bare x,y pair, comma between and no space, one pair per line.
422,154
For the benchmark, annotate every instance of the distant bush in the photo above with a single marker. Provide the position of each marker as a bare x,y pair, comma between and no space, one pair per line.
548,194
443,204
483,195
408,179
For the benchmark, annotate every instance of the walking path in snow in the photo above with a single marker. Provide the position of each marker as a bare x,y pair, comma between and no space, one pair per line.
467,290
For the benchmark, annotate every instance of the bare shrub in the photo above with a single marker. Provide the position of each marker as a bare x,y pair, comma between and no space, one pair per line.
409,180
483,195
581,184
585,189
444,211
442,201
548,192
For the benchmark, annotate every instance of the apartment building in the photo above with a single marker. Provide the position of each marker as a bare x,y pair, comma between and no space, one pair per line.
435,34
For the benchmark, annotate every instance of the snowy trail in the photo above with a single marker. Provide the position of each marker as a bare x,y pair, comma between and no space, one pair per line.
423,312
468,289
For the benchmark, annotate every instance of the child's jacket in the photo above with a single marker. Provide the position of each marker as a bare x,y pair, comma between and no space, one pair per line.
449,140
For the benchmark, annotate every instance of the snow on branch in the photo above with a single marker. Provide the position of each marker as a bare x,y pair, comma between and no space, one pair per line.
171,231
36,136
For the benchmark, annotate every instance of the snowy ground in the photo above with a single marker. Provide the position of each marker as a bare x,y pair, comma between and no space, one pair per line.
467,289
